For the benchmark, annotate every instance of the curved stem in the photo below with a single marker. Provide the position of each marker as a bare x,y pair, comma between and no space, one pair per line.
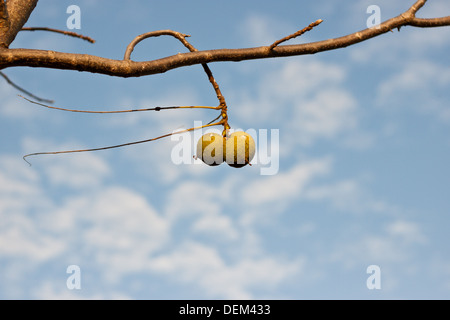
119,111
118,145
175,34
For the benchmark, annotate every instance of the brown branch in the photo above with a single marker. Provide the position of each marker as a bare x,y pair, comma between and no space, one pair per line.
296,34
430,23
127,68
4,18
416,7
18,12
67,33
4,22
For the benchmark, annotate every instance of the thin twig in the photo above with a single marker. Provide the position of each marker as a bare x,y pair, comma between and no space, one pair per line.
119,111
175,34
23,90
416,7
67,33
296,34
119,145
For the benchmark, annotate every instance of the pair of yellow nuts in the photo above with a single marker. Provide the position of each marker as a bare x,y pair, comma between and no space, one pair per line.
237,150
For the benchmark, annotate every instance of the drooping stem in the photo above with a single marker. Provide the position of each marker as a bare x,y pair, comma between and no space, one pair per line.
118,145
119,111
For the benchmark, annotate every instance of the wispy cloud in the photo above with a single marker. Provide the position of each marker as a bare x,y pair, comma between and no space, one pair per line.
202,265
424,81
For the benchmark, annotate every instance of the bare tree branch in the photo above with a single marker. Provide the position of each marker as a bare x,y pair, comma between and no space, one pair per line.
67,33
429,23
4,21
127,68
12,20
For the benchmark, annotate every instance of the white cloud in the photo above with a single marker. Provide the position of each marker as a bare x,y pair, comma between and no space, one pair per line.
78,171
25,241
116,227
203,204
389,246
415,76
198,264
349,196
16,177
285,186
263,30
307,100
297,78
408,231
415,86
215,225
75,170
330,112
122,231
18,229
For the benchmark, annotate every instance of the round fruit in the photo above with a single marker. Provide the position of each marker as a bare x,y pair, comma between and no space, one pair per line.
239,149
210,149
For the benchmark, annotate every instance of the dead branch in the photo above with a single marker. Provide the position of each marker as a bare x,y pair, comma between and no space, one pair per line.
66,33
128,68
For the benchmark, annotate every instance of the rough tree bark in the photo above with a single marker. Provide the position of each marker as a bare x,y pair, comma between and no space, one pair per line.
14,14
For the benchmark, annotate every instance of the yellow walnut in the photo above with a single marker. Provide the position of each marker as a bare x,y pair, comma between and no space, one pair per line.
239,149
210,149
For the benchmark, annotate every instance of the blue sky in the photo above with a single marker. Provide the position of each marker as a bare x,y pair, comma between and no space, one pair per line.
363,176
